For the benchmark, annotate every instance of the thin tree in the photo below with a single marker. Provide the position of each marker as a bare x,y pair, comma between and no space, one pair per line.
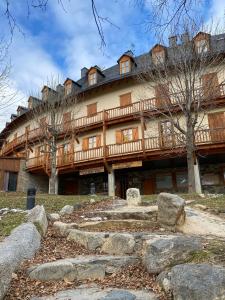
185,82
53,118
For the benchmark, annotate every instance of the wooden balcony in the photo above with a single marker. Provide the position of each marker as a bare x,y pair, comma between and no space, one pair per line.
109,116
153,147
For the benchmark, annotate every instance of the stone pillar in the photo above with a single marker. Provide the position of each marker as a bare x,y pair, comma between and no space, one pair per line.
111,184
197,178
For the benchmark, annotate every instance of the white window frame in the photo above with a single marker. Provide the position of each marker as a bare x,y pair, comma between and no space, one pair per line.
92,78
92,142
125,67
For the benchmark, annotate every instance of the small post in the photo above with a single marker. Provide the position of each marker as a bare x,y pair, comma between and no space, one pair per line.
31,193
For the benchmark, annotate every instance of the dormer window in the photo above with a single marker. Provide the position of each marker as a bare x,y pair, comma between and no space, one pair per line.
68,89
201,43
158,57
92,78
158,54
202,46
45,94
125,66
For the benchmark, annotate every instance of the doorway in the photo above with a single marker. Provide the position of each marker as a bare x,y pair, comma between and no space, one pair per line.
12,181
121,186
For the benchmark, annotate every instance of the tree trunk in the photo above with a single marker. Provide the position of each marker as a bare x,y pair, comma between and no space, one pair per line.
191,158
53,176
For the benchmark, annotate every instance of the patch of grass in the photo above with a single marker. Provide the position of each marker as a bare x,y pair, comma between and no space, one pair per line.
11,221
52,203
213,253
214,203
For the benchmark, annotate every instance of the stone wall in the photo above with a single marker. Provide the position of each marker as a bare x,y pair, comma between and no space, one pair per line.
27,180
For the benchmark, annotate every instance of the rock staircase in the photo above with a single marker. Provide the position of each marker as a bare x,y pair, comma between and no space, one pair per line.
127,236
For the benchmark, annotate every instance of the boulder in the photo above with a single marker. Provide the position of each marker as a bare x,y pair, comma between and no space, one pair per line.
90,240
22,244
94,292
53,217
133,197
64,228
119,243
170,210
161,252
194,281
38,217
80,268
66,210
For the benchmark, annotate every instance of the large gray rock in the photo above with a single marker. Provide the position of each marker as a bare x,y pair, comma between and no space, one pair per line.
64,228
22,244
66,210
194,282
119,243
81,267
90,240
38,217
97,293
133,197
161,252
170,210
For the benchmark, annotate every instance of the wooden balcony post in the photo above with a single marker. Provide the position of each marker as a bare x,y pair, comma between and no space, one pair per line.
142,130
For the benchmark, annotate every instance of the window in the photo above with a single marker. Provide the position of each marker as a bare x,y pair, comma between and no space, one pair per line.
125,66
91,109
125,100
158,57
66,148
127,135
182,179
202,46
68,89
45,94
92,142
92,78
164,181
211,179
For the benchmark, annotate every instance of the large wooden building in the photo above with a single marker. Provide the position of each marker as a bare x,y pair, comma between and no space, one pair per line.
110,139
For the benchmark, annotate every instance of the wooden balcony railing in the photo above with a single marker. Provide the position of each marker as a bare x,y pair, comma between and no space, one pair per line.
107,115
152,145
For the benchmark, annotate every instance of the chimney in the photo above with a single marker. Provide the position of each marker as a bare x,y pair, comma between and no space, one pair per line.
185,38
83,72
173,41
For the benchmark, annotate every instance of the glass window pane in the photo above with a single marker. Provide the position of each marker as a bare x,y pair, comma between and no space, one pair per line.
182,179
164,181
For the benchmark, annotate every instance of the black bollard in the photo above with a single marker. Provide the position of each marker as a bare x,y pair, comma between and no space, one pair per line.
31,193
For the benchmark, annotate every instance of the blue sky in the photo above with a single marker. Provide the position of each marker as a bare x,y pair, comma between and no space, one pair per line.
59,42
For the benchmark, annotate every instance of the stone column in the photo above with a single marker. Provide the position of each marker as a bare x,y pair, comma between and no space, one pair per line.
111,184
197,178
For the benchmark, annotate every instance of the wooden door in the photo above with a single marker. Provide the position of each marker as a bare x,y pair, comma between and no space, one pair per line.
149,186
217,126
70,187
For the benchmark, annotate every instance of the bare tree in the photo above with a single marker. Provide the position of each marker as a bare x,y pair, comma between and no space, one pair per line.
53,119
185,80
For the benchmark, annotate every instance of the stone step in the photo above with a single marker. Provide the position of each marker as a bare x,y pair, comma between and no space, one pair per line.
81,267
97,293
127,212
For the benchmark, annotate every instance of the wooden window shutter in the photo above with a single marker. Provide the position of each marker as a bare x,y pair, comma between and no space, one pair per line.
119,137
125,99
66,117
98,141
91,109
135,134
161,94
85,144
217,125
210,85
